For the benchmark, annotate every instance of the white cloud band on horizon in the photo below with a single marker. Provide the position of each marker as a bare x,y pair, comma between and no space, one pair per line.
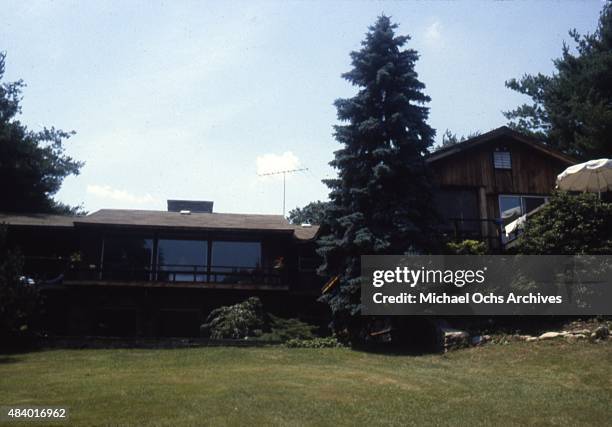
110,193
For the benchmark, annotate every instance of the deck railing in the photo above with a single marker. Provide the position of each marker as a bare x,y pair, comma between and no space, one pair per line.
471,228
50,268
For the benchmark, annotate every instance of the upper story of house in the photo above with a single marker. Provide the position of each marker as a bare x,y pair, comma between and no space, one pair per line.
502,161
486,182
184,246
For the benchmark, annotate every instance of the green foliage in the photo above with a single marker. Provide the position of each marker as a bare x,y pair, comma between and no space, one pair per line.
569,224
572,109
381,202
327,342
20,303
237,321
287,329
467,247
34,163
312,213
449,138
248,320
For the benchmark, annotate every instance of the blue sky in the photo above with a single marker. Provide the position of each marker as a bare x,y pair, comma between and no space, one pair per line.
178,99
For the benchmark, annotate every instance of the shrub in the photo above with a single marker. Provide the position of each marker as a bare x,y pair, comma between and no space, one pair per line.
20,301
467,247
248,320
288,329
235,321
328,342
569,224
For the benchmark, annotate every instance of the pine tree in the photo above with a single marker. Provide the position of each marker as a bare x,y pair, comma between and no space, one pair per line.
572,109
381,201
33,165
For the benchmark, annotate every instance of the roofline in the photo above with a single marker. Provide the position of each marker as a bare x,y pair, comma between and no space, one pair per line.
496,133
181,227
51,218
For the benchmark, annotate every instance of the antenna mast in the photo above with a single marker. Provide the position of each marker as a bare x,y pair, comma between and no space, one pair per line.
284,173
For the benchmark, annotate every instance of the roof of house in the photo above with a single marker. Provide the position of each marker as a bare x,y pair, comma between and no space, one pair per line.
161,219
503,131
37,220
199,220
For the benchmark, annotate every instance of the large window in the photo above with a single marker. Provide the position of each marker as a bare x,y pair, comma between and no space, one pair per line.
512,207
235,262
127,258
182,260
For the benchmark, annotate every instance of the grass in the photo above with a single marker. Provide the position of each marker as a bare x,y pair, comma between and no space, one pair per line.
546,383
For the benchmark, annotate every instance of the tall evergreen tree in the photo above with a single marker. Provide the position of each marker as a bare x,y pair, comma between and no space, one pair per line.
572,109
33,165
381,201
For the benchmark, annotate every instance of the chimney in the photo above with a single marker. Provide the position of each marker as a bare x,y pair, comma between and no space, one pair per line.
195,206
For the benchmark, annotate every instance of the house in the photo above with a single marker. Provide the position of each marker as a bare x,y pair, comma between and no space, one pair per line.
486,182
159,273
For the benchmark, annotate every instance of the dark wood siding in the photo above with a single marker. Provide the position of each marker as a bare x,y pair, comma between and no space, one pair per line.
533,172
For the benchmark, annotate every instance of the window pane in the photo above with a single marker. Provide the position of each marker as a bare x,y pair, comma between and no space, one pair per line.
531,203
459,209
510,208
235,262
182,260
502,160
127,258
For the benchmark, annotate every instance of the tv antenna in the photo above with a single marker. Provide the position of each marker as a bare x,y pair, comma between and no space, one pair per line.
284,173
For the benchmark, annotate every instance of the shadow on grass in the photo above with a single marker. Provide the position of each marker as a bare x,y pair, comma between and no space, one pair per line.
8,359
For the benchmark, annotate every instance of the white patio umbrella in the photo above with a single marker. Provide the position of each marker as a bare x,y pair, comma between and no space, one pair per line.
594,176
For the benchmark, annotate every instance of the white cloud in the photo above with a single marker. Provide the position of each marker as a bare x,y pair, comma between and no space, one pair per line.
433,33
109,193
269,163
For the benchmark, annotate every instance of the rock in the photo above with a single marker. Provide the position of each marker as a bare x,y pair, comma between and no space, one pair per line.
454,338
601,332
480,339
550,335
532,339
575,337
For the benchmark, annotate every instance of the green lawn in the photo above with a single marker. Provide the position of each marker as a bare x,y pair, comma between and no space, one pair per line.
520,383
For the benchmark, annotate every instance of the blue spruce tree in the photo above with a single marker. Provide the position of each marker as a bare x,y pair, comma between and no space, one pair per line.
381,200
